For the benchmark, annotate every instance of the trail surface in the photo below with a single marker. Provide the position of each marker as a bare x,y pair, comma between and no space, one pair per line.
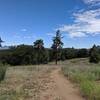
60,88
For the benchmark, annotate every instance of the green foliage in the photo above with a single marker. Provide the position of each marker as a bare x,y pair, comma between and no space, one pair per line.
24,55
38,54
82,53
77,77
96,72
69,53
87,87
41,53
2,72
90,90
38,44
94,55
97,92
57,45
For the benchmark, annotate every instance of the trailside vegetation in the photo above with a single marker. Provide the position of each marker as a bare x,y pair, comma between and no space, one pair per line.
94,54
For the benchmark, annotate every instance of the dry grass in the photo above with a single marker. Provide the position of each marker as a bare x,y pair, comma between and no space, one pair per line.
24,82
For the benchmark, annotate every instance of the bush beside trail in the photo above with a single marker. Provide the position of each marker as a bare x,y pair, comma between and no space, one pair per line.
2,72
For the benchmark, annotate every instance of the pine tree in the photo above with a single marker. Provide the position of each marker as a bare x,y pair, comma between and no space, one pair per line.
57,44
39,46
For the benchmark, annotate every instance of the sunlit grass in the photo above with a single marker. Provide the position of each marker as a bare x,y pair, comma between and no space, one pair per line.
86,76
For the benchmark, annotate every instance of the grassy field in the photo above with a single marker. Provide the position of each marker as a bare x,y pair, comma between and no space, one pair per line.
85,75
27,82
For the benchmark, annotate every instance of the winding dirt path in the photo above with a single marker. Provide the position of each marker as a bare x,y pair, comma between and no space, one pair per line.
60,88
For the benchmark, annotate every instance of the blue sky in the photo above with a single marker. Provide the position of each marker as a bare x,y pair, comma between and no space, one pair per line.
24,21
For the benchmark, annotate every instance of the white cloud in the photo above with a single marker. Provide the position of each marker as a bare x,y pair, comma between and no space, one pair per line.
51,34
85,23
28,37
92,2
23,30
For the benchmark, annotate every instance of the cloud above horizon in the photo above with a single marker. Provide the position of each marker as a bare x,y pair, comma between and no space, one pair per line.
86,22
92,2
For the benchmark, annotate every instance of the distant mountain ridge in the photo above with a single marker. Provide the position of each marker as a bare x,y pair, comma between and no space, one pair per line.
4,48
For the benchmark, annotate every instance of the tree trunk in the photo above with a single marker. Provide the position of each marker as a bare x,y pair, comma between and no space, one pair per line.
56,56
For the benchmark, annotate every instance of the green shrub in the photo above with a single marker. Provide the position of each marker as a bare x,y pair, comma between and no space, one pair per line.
87,89
94,55
90,90
77,77
90,76
96,71
2,72
97,92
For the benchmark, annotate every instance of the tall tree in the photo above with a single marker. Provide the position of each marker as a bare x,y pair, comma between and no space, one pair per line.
39,46
57,44
1,42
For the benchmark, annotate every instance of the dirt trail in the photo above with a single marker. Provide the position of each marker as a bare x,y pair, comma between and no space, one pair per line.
65,88
60,88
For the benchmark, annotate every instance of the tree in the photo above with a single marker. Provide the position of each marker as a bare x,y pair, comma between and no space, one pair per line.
39,49
82,53
70,53
57,44
1,42
94,55
38,44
